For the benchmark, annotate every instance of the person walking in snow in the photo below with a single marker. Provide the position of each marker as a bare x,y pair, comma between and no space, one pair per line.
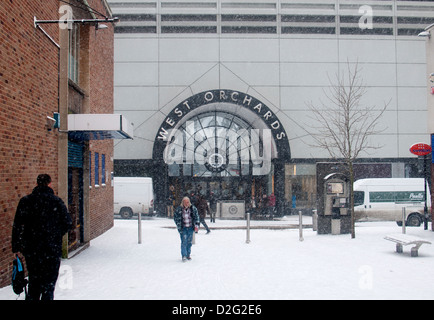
40,222
203,208
194,198
271,205
212,207
187,221
170,203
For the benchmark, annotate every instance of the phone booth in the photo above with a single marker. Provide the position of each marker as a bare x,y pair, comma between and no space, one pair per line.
334,216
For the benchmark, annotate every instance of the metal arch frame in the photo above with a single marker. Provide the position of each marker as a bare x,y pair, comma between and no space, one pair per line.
215,114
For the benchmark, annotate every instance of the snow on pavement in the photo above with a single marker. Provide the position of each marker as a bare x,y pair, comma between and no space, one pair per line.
275,265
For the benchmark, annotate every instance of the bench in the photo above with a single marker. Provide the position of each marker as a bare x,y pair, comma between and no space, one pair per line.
404,240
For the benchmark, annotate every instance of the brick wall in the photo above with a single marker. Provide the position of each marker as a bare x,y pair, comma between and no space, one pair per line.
101,196
101,57
28,93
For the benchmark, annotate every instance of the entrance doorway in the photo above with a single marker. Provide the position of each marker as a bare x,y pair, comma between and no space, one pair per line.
75,194
252,190
224,148
75,207
223,189
223,142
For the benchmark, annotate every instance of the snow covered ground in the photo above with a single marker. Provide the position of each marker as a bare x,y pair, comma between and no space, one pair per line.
275,265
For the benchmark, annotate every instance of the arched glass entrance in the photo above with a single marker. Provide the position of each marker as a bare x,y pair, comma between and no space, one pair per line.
221,141
218,152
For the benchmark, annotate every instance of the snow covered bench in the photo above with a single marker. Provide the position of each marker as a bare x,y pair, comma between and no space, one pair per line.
404,240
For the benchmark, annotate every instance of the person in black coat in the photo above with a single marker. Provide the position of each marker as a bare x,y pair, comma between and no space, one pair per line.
40,222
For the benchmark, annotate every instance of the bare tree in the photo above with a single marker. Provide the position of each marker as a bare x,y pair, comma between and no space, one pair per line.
343,126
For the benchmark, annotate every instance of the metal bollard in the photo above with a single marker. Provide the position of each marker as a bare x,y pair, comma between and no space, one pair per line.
403,220
248,228
300,226
314,220
140,228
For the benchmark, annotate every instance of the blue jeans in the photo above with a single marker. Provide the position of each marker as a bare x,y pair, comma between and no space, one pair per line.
186,241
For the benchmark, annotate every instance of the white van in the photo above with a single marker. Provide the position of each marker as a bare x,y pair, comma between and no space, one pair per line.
133,195
383,199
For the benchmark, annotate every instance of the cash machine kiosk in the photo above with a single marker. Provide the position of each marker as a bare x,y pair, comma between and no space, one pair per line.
334,216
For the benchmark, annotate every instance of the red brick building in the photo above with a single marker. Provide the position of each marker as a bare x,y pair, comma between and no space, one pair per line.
60,71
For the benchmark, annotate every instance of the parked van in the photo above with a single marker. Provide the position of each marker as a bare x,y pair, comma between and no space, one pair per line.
133,196
383,199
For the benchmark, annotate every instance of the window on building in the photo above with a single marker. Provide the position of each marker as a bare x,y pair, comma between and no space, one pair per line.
74,52
222,139
90,168
103,169
96,168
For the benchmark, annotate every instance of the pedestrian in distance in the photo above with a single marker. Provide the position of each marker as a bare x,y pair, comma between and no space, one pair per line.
170,203
264,205
271,205
212,207
187,221
203,208
194,198
40,222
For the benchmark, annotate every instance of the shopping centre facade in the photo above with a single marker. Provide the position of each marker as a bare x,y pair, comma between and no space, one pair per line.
204,81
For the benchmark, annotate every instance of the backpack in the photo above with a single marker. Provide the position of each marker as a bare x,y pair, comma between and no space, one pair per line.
19,283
